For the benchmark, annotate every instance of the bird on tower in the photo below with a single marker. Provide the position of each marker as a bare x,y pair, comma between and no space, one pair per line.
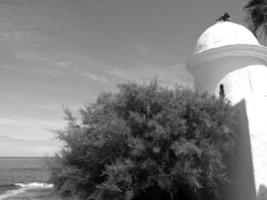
225,18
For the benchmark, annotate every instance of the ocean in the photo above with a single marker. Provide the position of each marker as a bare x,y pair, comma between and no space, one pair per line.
25,178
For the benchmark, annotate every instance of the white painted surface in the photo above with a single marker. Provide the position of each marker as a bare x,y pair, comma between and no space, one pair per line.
223,34
250,84
229,54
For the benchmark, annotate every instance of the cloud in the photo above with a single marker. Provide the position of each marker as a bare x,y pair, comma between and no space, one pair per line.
143,50
10,146
169,75
49,65
5,137
32,123
28,142
32,48
28,137
94,76
79,72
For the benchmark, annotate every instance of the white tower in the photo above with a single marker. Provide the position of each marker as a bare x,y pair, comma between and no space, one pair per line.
229,58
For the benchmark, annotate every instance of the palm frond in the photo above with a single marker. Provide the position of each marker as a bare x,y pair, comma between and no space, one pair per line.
256,17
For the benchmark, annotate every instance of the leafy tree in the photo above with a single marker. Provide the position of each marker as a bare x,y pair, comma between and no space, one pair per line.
146,142
257,17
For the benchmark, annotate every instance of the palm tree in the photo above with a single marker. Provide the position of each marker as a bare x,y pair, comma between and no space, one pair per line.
256,11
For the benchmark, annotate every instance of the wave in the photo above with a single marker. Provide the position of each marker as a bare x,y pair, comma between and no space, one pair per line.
23,187
34,185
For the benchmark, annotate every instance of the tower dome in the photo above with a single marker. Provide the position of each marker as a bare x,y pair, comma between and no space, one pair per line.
224,34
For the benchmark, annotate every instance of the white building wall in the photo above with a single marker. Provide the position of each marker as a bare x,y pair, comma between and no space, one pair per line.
250,84
244,80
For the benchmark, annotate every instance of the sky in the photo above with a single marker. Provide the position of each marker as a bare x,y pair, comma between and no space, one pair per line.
57,54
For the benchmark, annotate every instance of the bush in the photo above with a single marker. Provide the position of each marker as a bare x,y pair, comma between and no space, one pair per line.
146,142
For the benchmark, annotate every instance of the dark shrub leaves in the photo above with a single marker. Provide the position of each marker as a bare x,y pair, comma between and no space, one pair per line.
146,142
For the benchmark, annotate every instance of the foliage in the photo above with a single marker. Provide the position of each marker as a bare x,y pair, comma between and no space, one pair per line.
257,17
146,142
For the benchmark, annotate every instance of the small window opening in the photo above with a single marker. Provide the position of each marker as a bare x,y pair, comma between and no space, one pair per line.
222,93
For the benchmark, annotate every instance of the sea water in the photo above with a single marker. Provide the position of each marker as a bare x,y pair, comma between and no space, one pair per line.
19,175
